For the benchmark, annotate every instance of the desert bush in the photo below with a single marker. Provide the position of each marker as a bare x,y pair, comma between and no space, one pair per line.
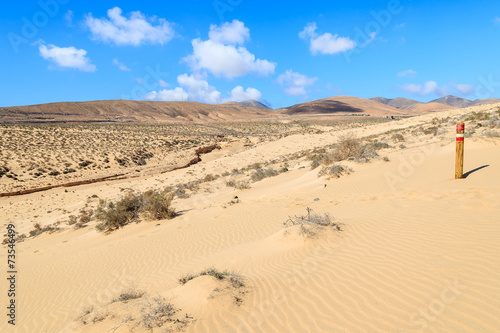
398,137
39,230
235,279
240,185
335,170
209,178
494,122
348,147
153,203
431,130
377,145
261,174
158,205
128,295
311,222
114,215
477,116
158,312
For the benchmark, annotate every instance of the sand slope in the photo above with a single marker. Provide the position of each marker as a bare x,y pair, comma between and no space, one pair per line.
419,251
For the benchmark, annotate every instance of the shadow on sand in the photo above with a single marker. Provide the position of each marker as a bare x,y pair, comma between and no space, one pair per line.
476,169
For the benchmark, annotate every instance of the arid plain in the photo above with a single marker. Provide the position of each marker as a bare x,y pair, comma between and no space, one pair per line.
281,224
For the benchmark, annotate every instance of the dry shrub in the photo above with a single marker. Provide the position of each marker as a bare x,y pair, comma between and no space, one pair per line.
235,279
398,137
335,171
311,223
348,147
158,312
154,204
261,174
158,205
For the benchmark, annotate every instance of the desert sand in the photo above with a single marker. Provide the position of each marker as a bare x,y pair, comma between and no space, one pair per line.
418,251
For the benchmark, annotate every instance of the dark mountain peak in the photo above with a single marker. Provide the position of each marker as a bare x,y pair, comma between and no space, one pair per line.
455,101
254,104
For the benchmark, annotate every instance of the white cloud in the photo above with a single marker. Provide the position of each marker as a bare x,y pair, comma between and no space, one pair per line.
67,57
135,30
220,56
327,43
121,66
407,73
163,83
464,89
238,94
196,88
295,84
229,33
428,88
177,94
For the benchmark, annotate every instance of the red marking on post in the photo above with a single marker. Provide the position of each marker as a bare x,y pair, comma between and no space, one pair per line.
460,127
460,139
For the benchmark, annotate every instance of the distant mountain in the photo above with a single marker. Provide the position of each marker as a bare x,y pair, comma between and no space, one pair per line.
381,100
398,103
424,108
128,111
486,101
254,104
342,105
454,101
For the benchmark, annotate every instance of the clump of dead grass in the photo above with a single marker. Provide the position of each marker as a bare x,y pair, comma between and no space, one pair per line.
312,223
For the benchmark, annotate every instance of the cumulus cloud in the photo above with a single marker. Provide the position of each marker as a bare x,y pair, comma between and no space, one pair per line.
135,30
67,57
177,94
407,73
121,66
464,89
295,84
221,56
238,94
326,43
163,83
428,88
229,33
196,88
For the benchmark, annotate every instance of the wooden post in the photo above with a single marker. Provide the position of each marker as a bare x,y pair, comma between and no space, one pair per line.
459,160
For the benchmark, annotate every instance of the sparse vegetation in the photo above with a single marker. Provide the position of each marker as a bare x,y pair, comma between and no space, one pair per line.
128,295
158,312
335,171
153,203
235,279
311,223
260,174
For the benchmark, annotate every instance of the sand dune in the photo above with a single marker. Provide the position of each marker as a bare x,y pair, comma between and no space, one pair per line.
418,250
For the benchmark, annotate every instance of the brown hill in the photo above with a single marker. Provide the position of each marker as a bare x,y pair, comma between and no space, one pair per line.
127,111
398,103
486,101
342,105
454,101
424,108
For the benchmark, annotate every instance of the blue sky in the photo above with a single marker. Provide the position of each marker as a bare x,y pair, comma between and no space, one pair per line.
224,50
